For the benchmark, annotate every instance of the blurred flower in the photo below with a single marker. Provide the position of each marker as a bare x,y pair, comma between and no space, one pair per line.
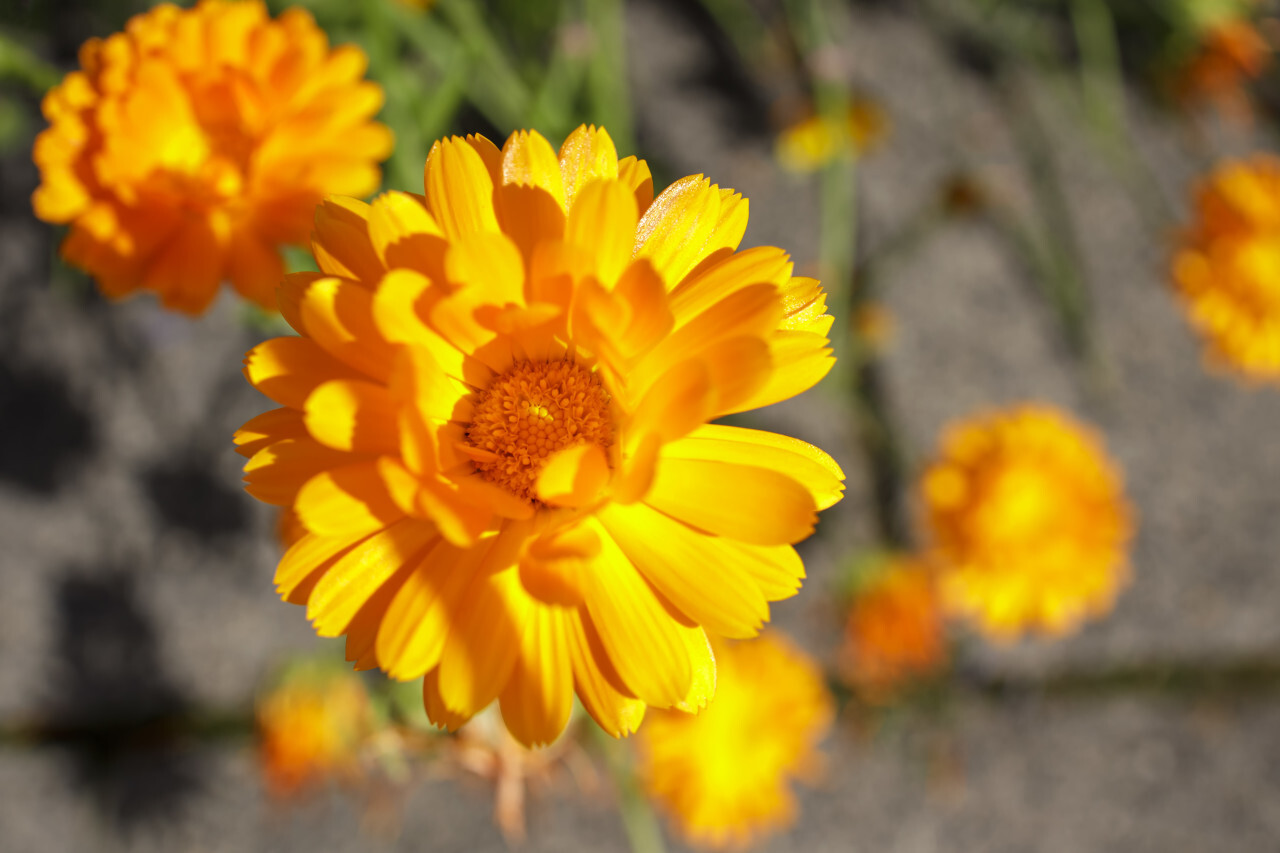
418,5
495,429
1029,522
894,633
1232,53
963,195
197,141
311,728
874,326
813,142
725,774
484,748
1227,269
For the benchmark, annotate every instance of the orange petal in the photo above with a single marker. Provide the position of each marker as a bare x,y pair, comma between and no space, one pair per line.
355,416
341,243
346,500
404,234
416,625
539,695
277,472
268,428
288,369
575,476
635,174
615,711
308,554
338,315
529,160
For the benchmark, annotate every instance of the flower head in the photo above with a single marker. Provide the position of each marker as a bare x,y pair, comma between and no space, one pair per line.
725,774
311,728
189,147
815,141
894,632
494,428
1029,522
1227,270
1232,53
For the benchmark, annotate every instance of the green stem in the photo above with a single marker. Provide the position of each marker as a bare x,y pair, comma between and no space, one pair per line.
607,73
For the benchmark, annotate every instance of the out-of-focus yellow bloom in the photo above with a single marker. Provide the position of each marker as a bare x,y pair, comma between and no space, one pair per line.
812,143
1232,54
311,728
725,774
874,325
189,147
895,631
495,428
1029,522
1227,269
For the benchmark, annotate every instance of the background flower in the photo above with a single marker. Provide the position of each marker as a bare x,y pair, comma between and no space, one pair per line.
1028,522
191,146
724,775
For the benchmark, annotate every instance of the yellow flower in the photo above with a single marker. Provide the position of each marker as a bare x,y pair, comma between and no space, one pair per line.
894,633
1227,270
725,774
196,142
311,728
813,142
495,427
1029,522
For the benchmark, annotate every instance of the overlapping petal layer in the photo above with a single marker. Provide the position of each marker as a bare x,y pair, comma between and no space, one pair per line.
494,429
189,147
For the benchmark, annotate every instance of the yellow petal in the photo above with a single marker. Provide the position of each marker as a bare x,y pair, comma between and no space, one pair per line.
612,707
490,263
288,369
418,380
586,155
817,471
346,500
635,174
529,160
688,222
416,625
362,632
341,242
575,476
404,234
338,315
702,660
676,403
539,696
642,638
276,472
437,713
758,265
488,620
309,554
743,502
690,568
603,223
800,361
354,416
357,574
268,428
553,567
459,189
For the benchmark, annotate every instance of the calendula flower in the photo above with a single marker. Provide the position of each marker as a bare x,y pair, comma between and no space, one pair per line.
1232,54
1029,522
494,428
894,633
311,728
1227,268
189,147
724,775
815,141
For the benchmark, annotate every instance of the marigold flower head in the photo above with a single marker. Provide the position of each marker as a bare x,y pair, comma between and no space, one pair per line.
1029,522
725,774
815,141
189,147
311,728
1232,53
495,429
894,633
1227,268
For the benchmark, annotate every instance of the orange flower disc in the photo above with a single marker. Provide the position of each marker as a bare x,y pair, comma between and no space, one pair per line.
189,147
495,432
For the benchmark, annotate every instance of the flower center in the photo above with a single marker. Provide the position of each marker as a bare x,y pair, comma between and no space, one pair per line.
530,412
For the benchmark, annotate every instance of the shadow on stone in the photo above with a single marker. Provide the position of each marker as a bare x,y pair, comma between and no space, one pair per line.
187,495
113,707
44,432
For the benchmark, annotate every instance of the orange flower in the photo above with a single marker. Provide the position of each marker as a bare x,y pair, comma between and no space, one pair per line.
311,728
895,631
1227,270
1233,53
725,774
495,429
1029,522
196,142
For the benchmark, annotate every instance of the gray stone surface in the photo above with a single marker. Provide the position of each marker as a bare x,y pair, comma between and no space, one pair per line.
136,577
